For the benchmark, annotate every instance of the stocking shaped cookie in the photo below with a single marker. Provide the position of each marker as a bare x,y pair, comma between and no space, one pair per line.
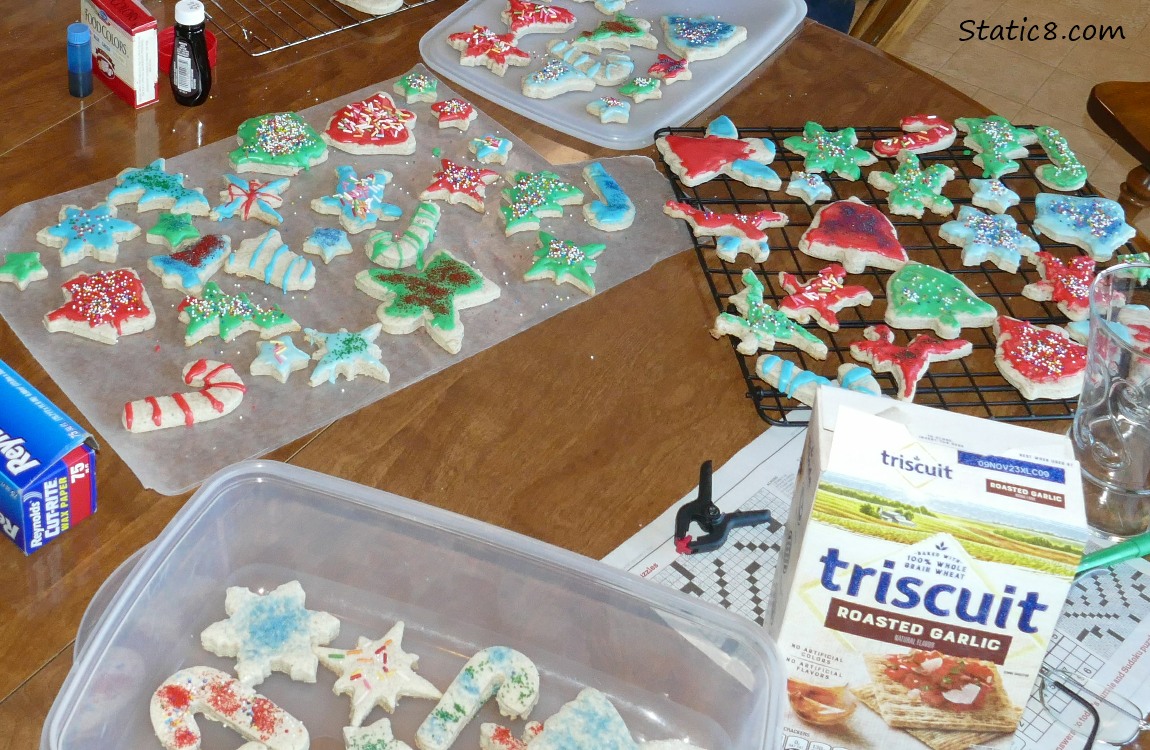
696,160
855,235
906,363
924,134
922,296
760,326
1039,362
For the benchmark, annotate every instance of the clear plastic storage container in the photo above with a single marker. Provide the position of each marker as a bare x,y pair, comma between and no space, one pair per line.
674,667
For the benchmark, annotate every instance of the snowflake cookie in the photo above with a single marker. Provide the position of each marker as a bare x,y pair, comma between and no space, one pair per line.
88,233
826,151
345,353
993,237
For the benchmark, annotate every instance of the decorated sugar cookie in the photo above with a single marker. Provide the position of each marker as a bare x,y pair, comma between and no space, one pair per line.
268,259
358,201
670,69
802,385
906,363
482,47
270,632
490,149
1066,284
995,238
821,297
172,230
219,391
346,353
88,233
372,8
376,673
454,113
997,142
1132,325
22,269
525,17
189,269
854,234
374,125
610,109
824,151
251,199
614,211
642,88
992,194
922,296
1097,225
925,134
1065,172
496,737
103,306
417,87
377,736
328,243
1039,362
217,696
565,262
494,672
810,187
621,32
696,160
589,721
607,7
555,77
734,233
1142,275
152,188
456,183
278,358
913,188
215,313
761,326
701,37
277,143
430,299
391,251
534,196
608,69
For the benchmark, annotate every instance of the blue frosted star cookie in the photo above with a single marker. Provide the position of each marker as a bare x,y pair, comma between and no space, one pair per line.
88,233
985,237
327,243
490,149
993,194
279,358
810,187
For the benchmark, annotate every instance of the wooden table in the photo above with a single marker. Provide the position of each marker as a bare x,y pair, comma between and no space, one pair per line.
575,414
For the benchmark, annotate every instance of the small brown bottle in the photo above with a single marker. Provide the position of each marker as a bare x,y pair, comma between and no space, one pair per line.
191,73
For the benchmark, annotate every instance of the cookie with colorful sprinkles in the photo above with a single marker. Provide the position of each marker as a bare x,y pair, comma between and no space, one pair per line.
820,297
1039,362
525,17
280,143
534,196
982,237
417,87
328,243
457,183
670,69
358,201
346,353
642,88
997,142
1097,225
278,358
913,188
922,296
482,47
251,199
454,113
374,125
152,188
1066,284
826,151
103,306
610,109
377,736
490,149
216,313
22,269
909,363
992,194
701,37
189,269
565,262
760,326
88,233
1065,172
556,76
925,134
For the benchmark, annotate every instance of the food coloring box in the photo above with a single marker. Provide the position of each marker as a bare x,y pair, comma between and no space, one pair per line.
47,466
927,559
124,48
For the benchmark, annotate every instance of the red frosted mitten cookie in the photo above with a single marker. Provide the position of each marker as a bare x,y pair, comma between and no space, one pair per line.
821,297
372,126
906,363
1039,362
855,235
1068,285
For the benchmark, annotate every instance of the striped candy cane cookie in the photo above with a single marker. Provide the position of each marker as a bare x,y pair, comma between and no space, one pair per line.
220,391
390,251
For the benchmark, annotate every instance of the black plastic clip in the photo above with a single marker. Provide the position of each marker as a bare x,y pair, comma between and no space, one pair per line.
711,520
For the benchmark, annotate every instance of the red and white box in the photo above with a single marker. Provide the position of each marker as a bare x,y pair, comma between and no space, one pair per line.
124,54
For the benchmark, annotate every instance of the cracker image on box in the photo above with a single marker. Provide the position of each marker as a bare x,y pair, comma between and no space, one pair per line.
927,559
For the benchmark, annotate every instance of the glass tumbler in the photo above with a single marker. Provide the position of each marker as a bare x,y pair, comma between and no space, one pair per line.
1111,431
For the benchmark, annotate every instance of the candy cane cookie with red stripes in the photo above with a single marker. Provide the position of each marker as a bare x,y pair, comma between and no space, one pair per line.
219,391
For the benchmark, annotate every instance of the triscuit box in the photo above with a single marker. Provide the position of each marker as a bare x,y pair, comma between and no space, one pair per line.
47,466
927,559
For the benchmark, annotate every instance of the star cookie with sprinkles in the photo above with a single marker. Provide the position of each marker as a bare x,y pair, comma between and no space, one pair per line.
454,113
88,233
913,188
701,37
642,88
417,87
372,126
908,364
189,269
22,269
327,243
490,149
358,201
983,237
152,188
1097,225
610,109
620,32
1039,362
826,151
278,143
696,160
216,313
761,326
173,230
821,297
670,69
482,47
1066,284
997,142
430,299
565,262
534,196
524,17
270,632
345,353
456,183
251,199
279,358
376,673
103,306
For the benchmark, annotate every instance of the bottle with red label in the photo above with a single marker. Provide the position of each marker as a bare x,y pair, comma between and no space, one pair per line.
191,72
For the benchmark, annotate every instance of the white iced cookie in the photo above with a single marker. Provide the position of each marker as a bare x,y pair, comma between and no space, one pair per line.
377,736
270,632
376,673
219,697
498,737
268,259
219,390
589,722
614,211
496,671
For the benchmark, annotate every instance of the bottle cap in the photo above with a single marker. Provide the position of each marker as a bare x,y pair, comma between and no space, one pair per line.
79,33
189,12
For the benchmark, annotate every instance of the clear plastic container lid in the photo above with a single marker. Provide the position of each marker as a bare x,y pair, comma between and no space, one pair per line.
675,667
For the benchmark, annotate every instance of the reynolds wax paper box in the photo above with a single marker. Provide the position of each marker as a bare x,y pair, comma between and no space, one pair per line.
47,466
927,559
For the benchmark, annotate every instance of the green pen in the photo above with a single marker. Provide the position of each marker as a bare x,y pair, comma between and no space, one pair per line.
1137,546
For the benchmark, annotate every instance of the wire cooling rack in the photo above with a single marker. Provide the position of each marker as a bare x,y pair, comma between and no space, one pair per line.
973,384
262,26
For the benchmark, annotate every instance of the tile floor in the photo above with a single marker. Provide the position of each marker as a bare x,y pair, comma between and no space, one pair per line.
1040,82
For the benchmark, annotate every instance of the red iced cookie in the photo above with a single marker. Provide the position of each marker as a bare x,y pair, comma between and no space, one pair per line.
821,297
854,234
906,363
1039,362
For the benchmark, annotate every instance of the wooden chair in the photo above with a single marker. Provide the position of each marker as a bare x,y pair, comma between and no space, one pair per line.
883,21
1122,110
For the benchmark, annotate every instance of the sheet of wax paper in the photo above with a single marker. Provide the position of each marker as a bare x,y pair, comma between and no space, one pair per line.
100,378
